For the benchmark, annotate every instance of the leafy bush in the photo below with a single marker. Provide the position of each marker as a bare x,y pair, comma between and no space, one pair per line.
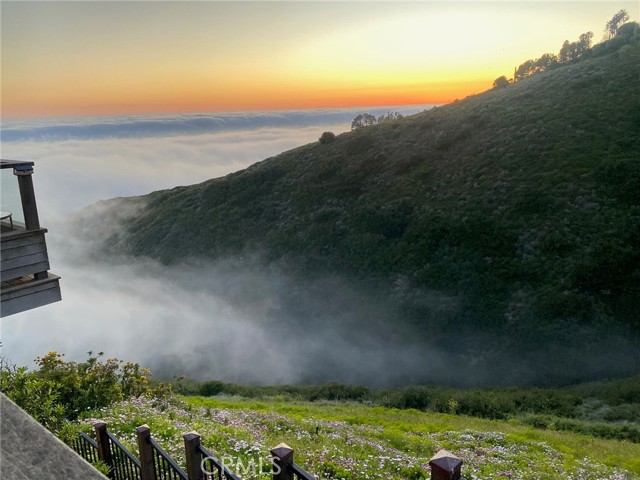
327,137
60,391
211,388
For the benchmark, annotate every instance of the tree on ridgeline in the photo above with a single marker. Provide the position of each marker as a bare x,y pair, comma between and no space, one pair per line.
572,51
546,61
363,120
524,70
531,67
389,116
584,43
612,26
567,52
366,119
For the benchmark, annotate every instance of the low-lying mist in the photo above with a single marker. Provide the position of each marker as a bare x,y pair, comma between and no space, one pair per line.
243,320
236,320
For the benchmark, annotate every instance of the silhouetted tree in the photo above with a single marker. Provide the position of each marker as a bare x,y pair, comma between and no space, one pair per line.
614,24
531,67
546,61
363,120
572,51
389,116
525,70
500,82
584,43
567,52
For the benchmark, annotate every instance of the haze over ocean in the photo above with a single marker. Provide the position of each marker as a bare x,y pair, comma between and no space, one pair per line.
201,314
82,160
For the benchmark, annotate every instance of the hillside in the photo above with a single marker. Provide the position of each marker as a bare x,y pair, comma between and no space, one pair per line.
509,220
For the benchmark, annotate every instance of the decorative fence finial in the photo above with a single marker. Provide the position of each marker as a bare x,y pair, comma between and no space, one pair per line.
445,466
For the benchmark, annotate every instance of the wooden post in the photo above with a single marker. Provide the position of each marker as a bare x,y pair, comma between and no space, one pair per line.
27,196
104,450
282,460
445,466
147,468
29,206
194,459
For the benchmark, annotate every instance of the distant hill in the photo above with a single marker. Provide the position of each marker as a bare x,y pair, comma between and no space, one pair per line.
509,219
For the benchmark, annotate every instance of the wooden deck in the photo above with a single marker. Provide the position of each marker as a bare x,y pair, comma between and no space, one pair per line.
27,292
25,281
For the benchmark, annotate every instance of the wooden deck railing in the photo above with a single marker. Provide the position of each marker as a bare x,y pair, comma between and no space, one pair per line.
201,464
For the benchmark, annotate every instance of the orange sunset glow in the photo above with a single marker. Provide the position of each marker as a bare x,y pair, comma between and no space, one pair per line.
93,58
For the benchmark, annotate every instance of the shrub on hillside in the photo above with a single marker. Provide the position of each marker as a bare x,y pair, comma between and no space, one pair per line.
619,431
59,390
327,137
211,388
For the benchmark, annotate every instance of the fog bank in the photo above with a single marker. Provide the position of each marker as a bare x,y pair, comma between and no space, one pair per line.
236,319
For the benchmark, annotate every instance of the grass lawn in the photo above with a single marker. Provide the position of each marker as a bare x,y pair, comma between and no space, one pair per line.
338,440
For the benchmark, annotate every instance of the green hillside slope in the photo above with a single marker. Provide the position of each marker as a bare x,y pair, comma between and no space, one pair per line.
511,218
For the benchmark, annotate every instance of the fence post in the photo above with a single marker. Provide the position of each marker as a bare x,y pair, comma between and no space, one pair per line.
282,460
147,469
104,450
445,466
194,459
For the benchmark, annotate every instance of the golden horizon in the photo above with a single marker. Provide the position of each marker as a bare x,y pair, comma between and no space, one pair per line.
109,58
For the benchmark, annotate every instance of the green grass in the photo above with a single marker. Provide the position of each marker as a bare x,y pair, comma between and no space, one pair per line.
337,440
605,409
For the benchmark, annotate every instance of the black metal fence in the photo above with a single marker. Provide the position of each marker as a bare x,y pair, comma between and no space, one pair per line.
201,464
164,466
87,447
124,466
212,466
300,474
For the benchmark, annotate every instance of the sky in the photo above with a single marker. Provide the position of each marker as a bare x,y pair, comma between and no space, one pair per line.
102,58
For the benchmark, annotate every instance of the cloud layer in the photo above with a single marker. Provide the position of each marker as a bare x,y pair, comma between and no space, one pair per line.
233,320
94,128
83,161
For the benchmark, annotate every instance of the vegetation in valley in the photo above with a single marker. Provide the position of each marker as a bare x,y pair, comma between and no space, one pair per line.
343,431
342,440
606,409
511,218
